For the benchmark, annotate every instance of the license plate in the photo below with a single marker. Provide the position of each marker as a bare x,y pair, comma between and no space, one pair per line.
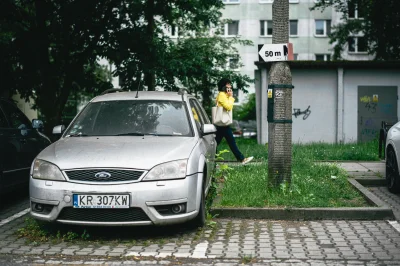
101,201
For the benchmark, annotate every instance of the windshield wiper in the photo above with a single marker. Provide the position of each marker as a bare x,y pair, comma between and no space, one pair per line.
77,135
130,134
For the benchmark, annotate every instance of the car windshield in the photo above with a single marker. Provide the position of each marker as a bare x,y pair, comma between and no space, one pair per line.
132,118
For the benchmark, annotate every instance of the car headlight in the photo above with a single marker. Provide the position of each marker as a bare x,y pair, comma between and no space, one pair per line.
170,170
47,171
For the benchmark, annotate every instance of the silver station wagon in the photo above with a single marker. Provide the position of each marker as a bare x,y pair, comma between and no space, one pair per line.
128,158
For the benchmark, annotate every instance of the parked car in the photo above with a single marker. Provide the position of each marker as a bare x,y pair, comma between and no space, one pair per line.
236,129
392,158
128,158
20,142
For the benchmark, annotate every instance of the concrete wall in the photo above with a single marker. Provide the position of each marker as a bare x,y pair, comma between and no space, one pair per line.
331,93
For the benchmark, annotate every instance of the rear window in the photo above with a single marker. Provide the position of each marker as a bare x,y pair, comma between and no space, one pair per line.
138,117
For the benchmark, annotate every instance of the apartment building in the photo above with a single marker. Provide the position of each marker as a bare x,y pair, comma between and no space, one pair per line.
308,31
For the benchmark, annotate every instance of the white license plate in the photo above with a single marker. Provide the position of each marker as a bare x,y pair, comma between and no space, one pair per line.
101,201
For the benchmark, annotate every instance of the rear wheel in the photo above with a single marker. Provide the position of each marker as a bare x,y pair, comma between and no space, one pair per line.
392,172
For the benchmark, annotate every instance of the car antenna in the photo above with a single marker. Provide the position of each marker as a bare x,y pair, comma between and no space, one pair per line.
137,92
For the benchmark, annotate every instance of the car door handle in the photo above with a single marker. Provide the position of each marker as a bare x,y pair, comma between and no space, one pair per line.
22,140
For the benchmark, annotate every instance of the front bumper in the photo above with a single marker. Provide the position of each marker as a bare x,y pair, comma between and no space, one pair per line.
144,198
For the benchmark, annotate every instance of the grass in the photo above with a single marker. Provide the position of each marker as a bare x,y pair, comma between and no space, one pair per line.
314,151
313,184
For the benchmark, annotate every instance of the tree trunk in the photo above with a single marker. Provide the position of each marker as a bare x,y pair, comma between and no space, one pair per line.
150,77
280,131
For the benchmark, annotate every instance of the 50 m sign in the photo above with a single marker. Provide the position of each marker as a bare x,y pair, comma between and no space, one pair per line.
275,52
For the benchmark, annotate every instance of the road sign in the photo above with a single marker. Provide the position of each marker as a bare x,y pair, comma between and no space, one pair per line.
275,52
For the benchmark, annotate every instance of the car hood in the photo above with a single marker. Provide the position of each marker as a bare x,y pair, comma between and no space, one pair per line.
119,152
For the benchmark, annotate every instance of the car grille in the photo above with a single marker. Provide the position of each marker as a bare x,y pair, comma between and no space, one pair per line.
115,175
103,215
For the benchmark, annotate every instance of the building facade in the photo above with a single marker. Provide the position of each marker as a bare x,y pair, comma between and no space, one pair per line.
308,31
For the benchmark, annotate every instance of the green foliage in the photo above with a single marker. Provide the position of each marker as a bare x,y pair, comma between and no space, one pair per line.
65,39
379,25
247,111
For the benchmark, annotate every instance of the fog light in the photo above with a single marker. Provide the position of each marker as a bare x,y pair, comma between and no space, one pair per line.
178,208
39,207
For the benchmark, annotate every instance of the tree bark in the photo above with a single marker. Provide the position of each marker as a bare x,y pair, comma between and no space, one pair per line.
280,131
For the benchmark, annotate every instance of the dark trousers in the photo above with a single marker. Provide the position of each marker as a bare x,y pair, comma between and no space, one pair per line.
226,132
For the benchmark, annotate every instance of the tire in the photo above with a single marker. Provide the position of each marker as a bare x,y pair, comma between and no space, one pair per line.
200,219
392,172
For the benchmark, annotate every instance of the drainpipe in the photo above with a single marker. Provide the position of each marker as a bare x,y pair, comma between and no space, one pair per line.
340,106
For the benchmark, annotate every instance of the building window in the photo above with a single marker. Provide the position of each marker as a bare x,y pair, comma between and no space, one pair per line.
231,28
323,57
322,27
233,62
231,1
172,31
293,28
355,11
266,27
271,1
357,45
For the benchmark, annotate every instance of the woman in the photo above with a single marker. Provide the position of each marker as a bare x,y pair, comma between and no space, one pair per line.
226,100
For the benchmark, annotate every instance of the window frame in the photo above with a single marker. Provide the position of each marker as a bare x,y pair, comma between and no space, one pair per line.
170,29
231,2
226,28
325,27
271,1
326,57
356,50
265,22
356,15
297,28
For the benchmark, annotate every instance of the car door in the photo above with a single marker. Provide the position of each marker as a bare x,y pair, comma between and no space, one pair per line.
22,143
208,140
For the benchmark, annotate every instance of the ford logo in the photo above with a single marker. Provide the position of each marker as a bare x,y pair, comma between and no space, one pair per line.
104,175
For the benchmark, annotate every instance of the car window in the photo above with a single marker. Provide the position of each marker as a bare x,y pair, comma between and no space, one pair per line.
15,117
198,117
203,112
3,121
138,117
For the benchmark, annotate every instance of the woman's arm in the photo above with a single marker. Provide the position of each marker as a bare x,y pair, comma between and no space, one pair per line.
225,101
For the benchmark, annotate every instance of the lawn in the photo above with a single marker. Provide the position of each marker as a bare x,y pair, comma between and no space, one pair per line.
314,184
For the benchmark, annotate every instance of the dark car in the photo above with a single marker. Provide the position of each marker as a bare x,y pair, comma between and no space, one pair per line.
20,142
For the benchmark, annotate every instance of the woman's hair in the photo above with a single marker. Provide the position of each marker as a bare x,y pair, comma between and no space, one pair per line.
222,83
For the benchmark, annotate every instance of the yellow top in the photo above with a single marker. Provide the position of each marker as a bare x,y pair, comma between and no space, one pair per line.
225,101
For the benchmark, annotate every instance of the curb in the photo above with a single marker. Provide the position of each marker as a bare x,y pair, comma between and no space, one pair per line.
379,211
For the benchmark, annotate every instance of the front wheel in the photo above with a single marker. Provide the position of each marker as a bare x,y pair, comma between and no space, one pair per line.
200,219
392,172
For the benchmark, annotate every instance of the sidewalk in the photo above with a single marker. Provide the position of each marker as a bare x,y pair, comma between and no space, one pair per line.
372,174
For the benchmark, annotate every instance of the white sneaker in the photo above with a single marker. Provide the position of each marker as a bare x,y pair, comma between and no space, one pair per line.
247,160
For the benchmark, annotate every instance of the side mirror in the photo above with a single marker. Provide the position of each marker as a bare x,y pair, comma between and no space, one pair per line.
57,130
37,124
208,129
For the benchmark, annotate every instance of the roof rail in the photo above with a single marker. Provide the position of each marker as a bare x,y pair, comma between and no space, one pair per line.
182,91
111,91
